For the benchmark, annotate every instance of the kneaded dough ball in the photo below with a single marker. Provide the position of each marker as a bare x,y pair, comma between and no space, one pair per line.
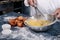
6,32
6,26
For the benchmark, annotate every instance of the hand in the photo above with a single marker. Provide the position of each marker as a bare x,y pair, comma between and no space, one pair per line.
31,2
57,13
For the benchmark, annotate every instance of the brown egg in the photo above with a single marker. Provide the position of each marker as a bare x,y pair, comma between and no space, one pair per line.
20,24
24,19
18,21
12,22
20,18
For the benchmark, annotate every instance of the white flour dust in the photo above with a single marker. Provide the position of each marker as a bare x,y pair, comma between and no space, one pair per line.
25,34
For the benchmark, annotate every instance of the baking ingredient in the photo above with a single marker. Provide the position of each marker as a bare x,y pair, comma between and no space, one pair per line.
24,19
6,32
19,21
6,26
6,29
20,18
12,22
38,23
20,24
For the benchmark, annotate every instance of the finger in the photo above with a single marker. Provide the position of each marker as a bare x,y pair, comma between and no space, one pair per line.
34,1
56,13
58,16
30,2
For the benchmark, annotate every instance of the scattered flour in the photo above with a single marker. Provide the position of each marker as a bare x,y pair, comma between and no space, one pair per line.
6,32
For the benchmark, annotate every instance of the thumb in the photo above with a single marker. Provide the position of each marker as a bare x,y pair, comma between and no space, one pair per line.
55,13
58,16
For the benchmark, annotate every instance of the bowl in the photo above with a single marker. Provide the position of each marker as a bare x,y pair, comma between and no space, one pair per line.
42,28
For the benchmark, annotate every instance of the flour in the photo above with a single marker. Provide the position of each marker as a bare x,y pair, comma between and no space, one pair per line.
6,32
6,26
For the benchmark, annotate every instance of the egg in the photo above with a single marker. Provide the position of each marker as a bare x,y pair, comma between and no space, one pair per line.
24,19
12,22
16,21
19,21
20,24
20,18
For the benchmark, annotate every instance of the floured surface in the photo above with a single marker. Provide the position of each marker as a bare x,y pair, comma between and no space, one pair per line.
25,34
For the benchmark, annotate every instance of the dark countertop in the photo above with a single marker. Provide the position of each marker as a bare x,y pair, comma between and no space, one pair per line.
3,7
7,1
27,34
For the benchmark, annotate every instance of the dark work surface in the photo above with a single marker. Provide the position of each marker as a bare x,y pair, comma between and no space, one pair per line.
5,6
54,31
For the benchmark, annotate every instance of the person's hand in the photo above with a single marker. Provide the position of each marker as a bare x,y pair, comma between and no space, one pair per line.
31,2
57,13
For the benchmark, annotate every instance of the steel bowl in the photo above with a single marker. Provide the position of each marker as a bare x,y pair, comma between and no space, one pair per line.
43,28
